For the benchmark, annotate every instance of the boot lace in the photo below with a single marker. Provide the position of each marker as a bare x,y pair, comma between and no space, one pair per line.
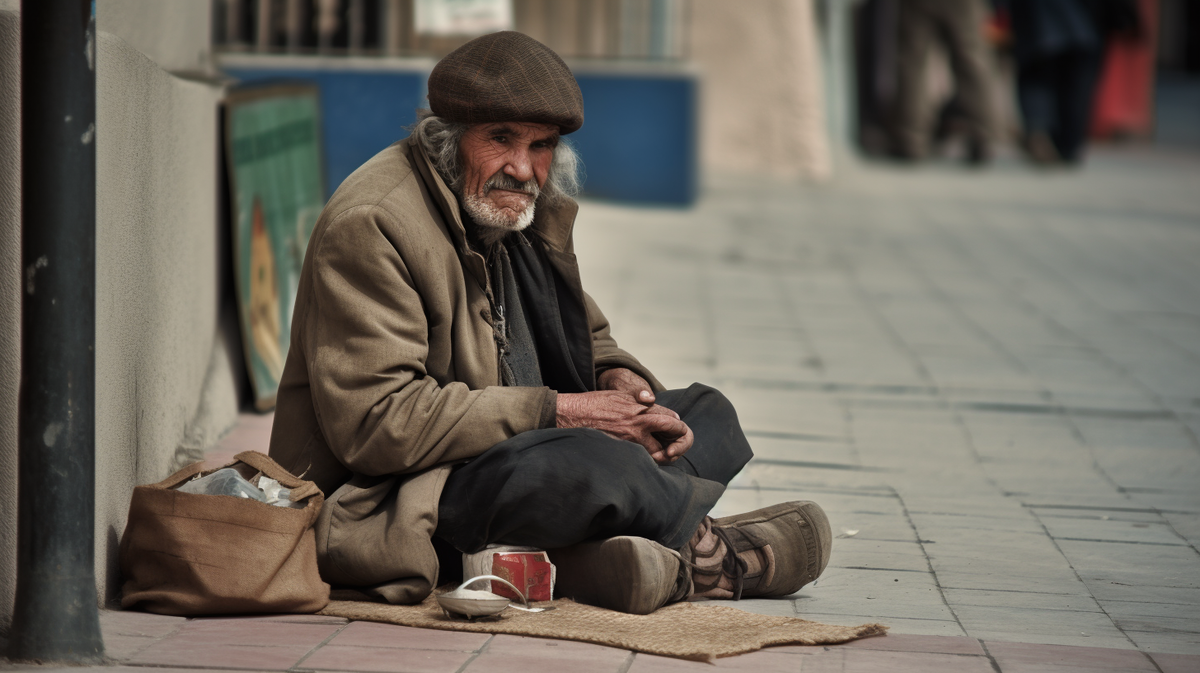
733,566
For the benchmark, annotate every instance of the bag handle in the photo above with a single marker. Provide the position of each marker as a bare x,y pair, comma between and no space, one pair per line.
301,489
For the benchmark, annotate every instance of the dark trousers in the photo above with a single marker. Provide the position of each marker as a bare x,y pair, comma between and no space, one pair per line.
1056,93
553,488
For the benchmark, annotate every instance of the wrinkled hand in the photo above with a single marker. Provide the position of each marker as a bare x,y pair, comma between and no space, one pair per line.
626,381
618,414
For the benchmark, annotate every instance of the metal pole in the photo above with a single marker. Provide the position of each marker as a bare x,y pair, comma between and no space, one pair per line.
393,23
356,20
234,31
840,98
263,34
55,617
839,64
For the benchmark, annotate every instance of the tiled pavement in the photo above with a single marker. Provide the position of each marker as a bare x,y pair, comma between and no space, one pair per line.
991,381
139,643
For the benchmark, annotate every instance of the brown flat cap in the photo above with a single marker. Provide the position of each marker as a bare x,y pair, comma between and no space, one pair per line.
506,76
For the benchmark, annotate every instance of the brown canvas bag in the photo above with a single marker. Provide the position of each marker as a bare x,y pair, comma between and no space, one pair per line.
190,554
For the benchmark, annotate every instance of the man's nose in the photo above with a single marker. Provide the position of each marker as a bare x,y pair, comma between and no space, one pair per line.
519,165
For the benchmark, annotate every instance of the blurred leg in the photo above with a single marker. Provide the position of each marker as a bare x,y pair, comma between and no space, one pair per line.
911,126
1078,75
1036,82
962,29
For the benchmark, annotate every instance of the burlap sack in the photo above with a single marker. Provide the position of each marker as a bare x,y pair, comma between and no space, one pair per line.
190,554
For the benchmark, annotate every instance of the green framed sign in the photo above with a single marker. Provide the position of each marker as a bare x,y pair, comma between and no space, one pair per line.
273,154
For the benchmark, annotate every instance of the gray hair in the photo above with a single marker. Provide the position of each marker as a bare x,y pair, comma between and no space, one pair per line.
441,137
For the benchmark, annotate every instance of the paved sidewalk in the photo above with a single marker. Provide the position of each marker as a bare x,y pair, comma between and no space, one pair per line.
141,642
990,380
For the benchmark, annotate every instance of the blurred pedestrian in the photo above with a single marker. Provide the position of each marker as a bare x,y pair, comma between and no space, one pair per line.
1059,48
958,25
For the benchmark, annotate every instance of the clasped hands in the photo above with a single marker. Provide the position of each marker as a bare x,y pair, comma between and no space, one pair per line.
624,408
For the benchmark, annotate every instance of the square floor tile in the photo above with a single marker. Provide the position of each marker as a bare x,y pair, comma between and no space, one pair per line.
520,645
1016,655
254,632
547,660
133,623
172,652
910,643
916,662
385,660
371,634
1177,663
120,647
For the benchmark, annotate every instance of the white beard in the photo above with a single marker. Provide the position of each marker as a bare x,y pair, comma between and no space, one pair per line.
494,223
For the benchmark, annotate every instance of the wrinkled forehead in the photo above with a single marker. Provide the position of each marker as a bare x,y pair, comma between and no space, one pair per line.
517,129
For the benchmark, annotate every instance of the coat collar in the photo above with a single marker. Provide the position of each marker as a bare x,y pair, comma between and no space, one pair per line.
551,222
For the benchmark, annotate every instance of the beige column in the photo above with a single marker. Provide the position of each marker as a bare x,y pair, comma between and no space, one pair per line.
761,101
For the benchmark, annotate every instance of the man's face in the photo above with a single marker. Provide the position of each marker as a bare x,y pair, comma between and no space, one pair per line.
505,165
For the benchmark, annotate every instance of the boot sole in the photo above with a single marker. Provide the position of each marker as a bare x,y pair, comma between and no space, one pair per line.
626,574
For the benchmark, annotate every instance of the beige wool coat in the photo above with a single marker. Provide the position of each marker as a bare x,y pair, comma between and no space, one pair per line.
393,372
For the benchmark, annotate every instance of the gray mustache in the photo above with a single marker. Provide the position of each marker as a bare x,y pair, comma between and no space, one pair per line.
502,180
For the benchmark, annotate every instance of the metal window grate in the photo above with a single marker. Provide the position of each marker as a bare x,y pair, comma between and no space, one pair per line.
577,29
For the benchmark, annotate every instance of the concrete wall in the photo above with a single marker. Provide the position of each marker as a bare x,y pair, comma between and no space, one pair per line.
165,388
10,302
761,99
175,34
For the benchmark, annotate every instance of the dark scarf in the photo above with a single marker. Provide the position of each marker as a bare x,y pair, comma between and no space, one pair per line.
542,329
518,354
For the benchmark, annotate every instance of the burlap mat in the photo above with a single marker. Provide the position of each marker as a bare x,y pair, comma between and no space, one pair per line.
698,631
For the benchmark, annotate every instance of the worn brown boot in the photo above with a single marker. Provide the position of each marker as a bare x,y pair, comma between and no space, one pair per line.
772,551
627,574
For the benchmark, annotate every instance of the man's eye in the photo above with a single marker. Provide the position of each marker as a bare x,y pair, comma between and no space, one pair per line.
500,139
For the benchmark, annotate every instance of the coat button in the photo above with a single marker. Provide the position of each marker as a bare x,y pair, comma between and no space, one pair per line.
483,313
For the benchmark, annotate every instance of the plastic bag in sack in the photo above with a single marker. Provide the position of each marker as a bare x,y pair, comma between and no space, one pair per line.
227,481
276,494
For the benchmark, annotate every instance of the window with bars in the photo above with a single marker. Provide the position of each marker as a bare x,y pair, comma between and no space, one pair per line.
576,29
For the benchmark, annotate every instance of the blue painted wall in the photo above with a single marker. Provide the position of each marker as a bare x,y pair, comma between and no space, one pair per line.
639,136
362,111
638,141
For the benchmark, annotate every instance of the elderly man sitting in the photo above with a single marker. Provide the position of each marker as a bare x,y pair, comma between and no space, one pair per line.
450,385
